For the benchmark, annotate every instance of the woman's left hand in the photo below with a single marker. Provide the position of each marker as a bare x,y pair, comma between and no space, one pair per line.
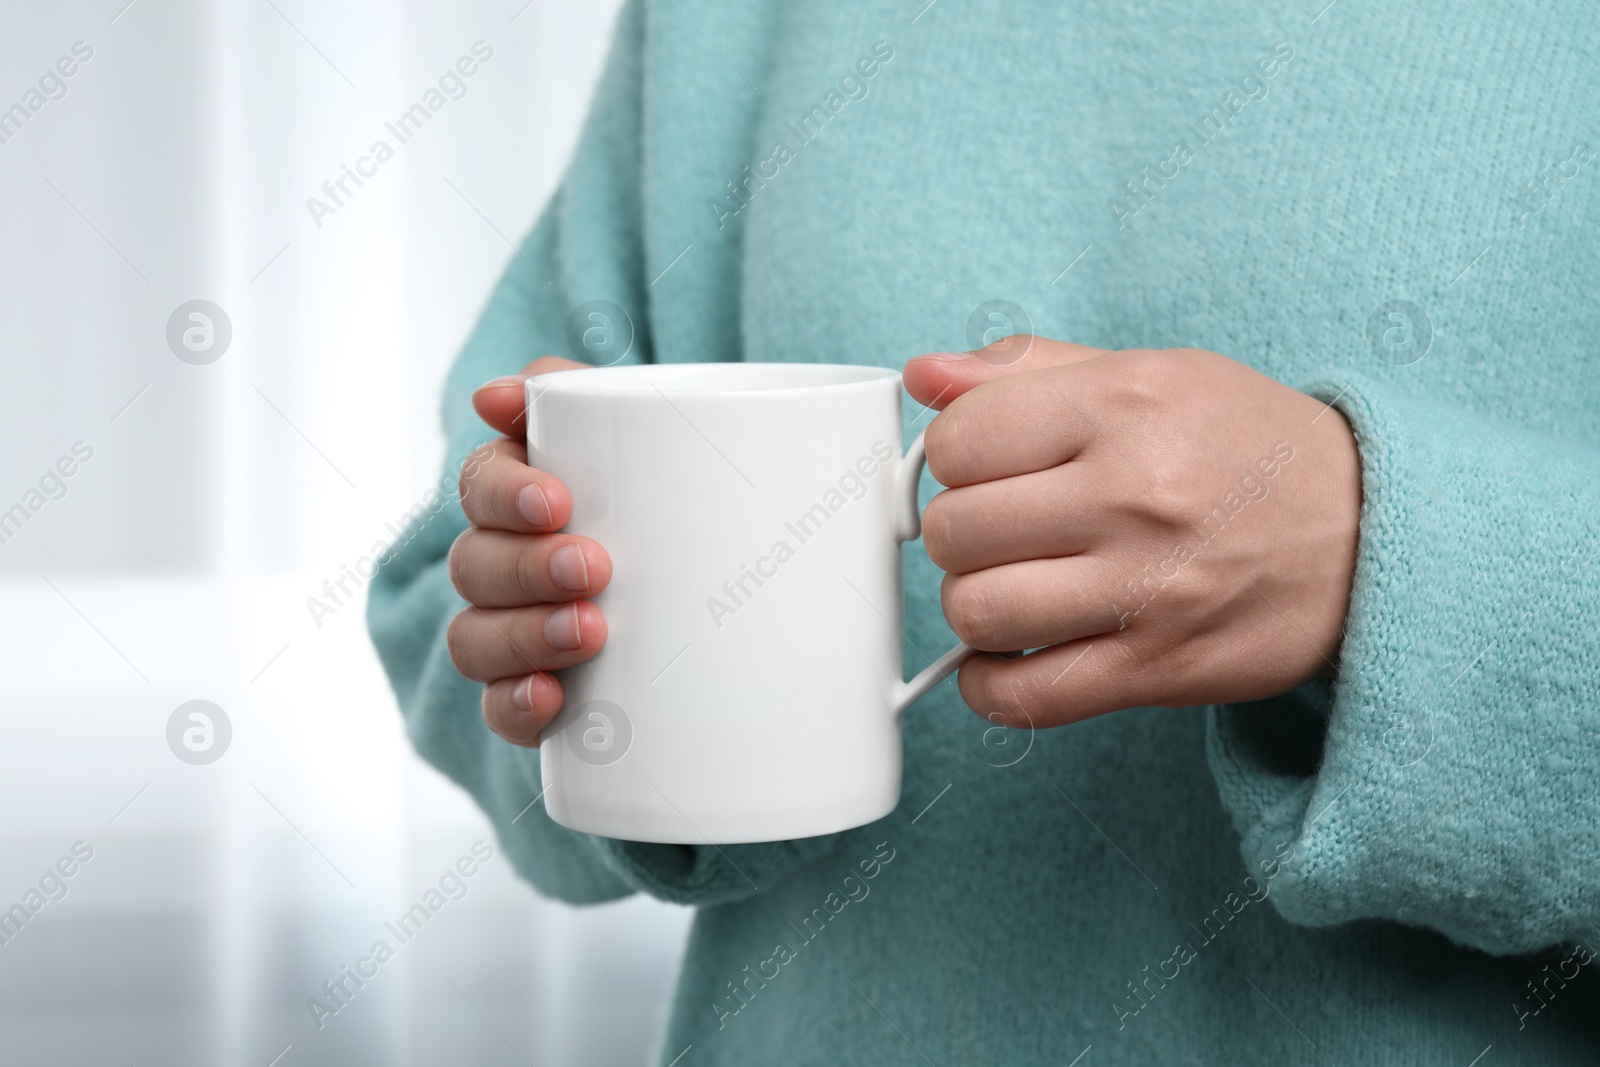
1167,527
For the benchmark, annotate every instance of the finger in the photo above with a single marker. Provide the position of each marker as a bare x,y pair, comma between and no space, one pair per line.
1032,604
1012,425
518,709
939,377
487,644
1039,515
1053,686
495,569
502,403
499,491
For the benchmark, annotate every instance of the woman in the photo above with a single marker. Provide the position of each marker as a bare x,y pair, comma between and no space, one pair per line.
1302,468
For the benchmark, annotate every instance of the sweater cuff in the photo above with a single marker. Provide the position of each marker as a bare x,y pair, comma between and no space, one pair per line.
1427,773
708,874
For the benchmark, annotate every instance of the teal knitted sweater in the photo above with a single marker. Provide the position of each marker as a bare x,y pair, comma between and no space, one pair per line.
1391,207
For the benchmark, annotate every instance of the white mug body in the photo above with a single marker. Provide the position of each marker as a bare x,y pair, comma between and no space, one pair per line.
749,683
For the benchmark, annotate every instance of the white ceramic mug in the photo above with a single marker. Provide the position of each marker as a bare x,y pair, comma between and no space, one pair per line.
750,688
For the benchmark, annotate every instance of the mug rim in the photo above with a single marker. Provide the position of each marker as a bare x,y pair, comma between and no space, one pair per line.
760,378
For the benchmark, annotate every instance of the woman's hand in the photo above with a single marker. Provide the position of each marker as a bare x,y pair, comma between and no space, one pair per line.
1167,527
527,584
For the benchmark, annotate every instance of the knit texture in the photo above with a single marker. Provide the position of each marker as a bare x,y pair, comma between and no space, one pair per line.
1391,208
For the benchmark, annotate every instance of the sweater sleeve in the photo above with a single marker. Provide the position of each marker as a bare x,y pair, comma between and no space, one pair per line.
1458,780
585,247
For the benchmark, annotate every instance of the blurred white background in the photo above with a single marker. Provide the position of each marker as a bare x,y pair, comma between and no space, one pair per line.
219,497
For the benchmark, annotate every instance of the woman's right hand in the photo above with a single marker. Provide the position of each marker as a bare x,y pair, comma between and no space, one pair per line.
528,585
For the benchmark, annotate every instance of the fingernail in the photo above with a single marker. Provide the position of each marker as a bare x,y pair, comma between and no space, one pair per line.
500,383
561,629
947,357
534,506
569,569
522,694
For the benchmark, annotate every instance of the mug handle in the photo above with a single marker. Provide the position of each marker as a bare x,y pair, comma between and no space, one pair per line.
908,527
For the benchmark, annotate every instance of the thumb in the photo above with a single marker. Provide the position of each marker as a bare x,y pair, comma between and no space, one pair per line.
939,377
501,402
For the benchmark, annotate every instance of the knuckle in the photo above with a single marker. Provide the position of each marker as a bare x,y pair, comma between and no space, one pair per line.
475,460
456,564
1011,700
469,486
486,702
974,612
493,702
1170,490
477,463
1144,379
465,480
456,642
527,571
939,442
938,536
1172,685
951,437
1135,669
494,454
489,497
